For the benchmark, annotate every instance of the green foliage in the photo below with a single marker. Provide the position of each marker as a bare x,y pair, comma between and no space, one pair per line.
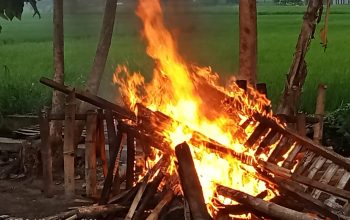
10,9
337,129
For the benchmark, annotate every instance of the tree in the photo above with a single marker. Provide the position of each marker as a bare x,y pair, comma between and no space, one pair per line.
247,41
98,67
57,97
10,9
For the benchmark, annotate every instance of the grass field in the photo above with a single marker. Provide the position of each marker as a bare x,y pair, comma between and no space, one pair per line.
207,36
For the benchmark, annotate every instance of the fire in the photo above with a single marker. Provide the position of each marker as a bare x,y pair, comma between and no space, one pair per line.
175,90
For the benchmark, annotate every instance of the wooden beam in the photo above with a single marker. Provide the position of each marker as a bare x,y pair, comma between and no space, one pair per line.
271,209
68,146
190,182
168,197
101,141
45,150
320,105
90,98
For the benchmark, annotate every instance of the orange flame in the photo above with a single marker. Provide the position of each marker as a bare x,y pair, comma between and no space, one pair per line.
175,91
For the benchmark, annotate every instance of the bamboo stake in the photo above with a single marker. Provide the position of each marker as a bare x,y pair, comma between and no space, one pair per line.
90,153
68,146
320,105
46,156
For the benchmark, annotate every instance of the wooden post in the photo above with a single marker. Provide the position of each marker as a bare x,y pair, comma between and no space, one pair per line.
320,105
112,137
190,182
90,153
101,141
68,146
46,156
247,41
130,142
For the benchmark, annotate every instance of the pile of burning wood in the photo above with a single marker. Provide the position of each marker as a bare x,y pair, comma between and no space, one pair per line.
210,151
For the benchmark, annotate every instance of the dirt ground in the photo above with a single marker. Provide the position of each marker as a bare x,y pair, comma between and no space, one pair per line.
24,199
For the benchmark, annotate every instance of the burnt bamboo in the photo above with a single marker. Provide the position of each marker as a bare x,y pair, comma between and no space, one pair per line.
320,105
190,182
130,162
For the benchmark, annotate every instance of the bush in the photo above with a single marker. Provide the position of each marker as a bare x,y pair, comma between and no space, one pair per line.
337,129
289,2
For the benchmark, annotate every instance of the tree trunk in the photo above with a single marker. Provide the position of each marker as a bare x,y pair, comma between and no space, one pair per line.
98,67
58,97
298,71
247,41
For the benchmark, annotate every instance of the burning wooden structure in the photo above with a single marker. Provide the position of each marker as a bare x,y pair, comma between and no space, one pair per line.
298,168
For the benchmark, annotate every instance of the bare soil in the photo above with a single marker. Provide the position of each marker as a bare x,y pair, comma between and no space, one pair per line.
24,199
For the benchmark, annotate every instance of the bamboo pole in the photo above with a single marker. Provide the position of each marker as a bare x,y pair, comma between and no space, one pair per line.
68,146
90,153
320,105
45,150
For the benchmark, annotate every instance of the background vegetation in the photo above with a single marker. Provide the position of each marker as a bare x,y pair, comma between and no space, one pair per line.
207,36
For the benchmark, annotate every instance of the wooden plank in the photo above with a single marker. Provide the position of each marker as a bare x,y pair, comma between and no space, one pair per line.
190,182
68,146
109,179
46,156
130,162
163,203
277,152
90,153
326,177
266,142
137,199
324,187
259,131
10,145
316,166
306,142
309,155
331,201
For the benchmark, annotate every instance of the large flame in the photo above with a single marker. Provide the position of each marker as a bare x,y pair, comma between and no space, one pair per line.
176,90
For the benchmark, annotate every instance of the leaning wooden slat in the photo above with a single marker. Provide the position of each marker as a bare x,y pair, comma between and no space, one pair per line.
326,177
309,155
266,142
163,203
281,148
259,131
101,141
308,143
316,166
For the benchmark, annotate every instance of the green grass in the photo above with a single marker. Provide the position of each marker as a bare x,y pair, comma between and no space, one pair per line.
207,36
